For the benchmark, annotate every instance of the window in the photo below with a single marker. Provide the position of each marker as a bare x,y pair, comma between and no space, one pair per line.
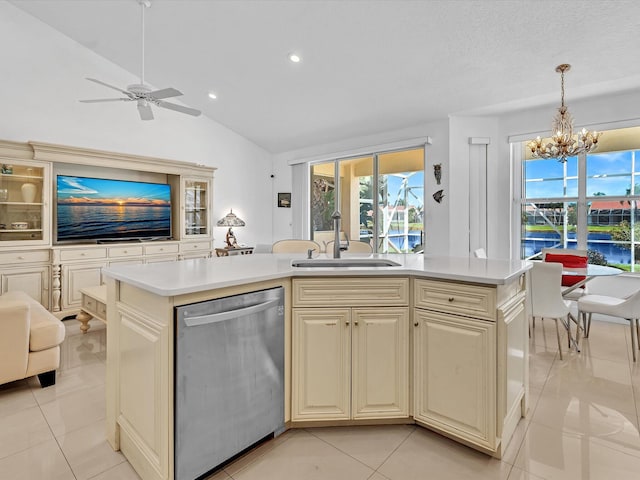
589,202
380,199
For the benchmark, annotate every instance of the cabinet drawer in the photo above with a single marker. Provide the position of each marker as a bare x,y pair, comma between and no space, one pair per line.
89,303
115,252
350,292
194,246
161,249
83,254
461,299
24,257
102,310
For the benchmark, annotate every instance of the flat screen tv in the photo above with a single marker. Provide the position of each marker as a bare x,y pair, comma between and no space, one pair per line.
100,209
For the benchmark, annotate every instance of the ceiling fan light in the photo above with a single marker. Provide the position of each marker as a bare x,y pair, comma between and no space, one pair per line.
212,96
295,58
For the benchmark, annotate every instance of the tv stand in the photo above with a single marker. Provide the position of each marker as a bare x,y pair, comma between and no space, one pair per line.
53,273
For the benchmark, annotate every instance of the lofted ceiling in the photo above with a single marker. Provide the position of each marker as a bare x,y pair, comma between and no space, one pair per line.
367,66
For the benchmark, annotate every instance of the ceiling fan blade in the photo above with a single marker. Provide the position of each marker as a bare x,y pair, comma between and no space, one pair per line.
98,100
128,94
165,93
179,108
145,111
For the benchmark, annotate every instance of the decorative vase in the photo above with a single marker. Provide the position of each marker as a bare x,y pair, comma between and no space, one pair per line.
28,192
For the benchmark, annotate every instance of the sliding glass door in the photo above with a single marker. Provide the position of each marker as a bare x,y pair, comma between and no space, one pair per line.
380,198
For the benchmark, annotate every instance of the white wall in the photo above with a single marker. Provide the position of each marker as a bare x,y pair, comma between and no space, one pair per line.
460,130
43,77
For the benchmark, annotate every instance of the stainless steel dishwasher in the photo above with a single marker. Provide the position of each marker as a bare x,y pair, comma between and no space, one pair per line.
229,378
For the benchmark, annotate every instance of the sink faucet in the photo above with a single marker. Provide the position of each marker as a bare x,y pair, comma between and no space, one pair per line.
336,216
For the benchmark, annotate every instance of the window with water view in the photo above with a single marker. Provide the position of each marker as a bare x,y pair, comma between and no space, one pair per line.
590,202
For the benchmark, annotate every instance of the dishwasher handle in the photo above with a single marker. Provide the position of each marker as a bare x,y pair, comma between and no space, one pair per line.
224,316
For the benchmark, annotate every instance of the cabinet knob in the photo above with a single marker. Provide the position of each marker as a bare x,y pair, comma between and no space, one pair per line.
126,251
356,323
451,299
20,257
347,323
417,324
83,254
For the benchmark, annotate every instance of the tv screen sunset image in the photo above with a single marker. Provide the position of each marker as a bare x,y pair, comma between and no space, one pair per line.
98,208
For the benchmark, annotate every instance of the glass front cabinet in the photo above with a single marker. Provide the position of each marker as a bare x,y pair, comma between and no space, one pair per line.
196,207
24,190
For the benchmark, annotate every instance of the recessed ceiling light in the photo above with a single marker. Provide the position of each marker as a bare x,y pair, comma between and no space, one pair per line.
294,57
212,96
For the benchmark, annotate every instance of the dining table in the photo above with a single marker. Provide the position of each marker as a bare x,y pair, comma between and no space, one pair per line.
589,273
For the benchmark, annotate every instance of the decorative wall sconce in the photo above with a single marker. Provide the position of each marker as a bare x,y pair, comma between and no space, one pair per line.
437,172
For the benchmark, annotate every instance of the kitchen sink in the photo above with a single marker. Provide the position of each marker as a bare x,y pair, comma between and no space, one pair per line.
345,262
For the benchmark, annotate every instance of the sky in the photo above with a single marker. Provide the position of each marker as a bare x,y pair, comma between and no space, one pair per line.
416,186
103,191
608,173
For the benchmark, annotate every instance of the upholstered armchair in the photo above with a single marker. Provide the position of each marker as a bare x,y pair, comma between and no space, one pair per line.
30,339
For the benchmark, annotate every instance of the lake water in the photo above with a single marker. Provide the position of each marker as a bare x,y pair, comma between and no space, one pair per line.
414,238
77,222
535,241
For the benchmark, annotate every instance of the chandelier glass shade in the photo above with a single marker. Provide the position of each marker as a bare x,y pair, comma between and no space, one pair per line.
563,143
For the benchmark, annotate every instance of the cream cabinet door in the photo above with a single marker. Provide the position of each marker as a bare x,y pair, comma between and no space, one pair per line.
34,281
455,376
321,364
380,362
77,276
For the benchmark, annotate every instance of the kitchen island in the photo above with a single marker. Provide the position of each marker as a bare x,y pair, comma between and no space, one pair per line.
437,341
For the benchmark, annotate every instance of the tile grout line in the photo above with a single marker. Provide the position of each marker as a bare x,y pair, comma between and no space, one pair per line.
374,470
377,470
35,444
57,442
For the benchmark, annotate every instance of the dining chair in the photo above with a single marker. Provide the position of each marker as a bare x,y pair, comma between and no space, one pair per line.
546,297
627,308
480,253
294,246
353,247
569,257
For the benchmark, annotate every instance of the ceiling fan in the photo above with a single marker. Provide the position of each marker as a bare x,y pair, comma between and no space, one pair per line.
143,94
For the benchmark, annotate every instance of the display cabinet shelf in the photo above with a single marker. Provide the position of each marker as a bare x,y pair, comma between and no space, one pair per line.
197,207
23,198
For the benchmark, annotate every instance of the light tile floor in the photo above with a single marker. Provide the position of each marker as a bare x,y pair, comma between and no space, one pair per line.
582,424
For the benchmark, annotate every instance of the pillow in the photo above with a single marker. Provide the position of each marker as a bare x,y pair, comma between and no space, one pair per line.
571,261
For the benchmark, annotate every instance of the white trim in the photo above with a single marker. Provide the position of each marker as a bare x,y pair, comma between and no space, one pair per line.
631,122
479,140
365,150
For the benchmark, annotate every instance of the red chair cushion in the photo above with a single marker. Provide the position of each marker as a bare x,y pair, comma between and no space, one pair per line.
571,261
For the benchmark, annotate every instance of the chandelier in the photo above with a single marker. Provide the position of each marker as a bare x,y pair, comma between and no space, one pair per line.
563,144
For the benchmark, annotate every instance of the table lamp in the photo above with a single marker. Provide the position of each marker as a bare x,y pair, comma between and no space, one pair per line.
230,220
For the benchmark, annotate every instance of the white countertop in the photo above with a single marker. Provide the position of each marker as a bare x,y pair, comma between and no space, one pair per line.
196,275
